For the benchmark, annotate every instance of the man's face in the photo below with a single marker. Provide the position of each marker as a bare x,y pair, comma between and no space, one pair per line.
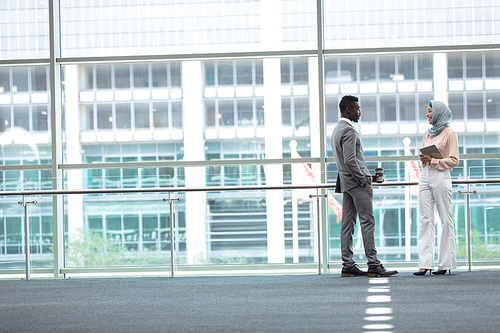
354,113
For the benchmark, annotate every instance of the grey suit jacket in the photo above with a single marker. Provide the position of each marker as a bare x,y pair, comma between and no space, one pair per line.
348,153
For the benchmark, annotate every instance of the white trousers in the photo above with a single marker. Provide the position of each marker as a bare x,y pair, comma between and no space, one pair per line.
435,192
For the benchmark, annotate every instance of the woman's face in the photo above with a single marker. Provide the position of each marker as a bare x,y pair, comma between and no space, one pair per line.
429,114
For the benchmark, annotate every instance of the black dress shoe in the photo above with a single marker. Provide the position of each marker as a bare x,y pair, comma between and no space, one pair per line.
380,271
423,272
352,271
441,272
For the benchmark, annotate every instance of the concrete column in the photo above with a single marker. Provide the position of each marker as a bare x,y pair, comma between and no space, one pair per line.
270,11
440,75
56,137
194,150
314,130
274,173
73,152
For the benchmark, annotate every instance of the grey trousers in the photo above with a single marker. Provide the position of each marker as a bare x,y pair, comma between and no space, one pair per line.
358,201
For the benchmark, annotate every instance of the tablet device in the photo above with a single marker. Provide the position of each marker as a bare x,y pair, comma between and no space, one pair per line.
432,151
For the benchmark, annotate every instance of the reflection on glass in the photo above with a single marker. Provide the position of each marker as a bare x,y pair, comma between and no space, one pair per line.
245,113
493,105
368,108
141,76
122,76
367,69
425,66
22,117
301,108
456,104
102,76
104,116
177,114
40,118
473,65
39,78
226,113
406,66
492,65
225,72
455,65
5,120
387,69
141,114
160,114
407,107
286,116
474,105
300,71
244,72
4,79
388,108
123,118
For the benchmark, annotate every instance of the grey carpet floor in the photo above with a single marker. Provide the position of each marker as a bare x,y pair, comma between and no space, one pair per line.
460,302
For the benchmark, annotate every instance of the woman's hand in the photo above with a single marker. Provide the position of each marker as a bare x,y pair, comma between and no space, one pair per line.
425,159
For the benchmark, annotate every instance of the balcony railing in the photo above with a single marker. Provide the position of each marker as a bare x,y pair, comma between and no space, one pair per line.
318,237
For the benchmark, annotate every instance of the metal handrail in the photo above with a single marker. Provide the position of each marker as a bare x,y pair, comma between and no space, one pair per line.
228,188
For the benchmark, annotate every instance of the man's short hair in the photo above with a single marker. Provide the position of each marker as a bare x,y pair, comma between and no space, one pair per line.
347,101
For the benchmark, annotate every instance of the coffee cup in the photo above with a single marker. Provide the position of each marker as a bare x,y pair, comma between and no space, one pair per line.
379,175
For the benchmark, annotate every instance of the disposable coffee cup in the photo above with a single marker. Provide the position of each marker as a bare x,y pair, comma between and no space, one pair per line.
379,175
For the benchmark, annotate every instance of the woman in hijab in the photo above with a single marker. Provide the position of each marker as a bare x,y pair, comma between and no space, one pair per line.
435,191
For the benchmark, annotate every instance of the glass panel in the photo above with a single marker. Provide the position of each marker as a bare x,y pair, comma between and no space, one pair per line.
388,108
493,105
177,114
19,79
368,106
379,23
425,66
104,116
492,63
167,27
22,36
455,65
22,117
407,107
245,113
160,114
474,65
103,76
122,76
141,112
475,105
4,79
225,73
40,118
226,113
141,76
244,72
367,69
39,78
456,104
387,68
123,118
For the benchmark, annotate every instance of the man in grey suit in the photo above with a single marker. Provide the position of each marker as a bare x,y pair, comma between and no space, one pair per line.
355,182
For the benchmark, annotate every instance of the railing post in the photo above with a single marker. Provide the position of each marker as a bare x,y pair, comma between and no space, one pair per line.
467,224
172,238
318,196
27,246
